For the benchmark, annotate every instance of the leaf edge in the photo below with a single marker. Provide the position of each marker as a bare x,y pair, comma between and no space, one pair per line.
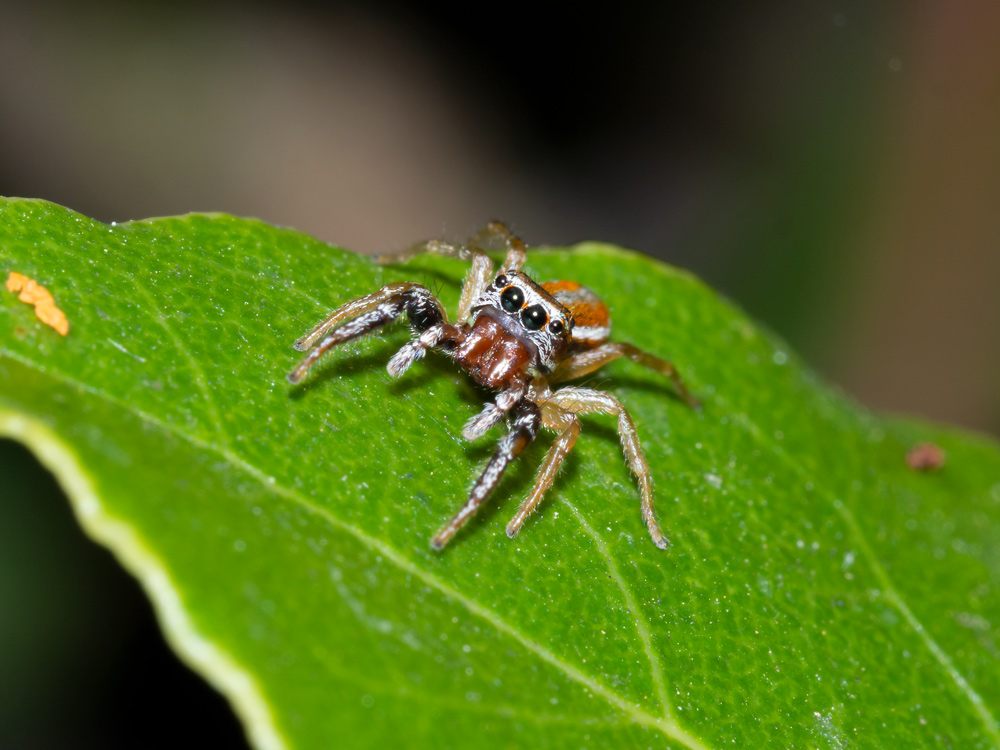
203,655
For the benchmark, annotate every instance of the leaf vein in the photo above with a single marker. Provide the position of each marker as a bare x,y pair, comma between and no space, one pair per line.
199,373
641,625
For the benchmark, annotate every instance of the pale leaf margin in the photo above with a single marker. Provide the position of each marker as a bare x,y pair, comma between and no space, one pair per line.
218,667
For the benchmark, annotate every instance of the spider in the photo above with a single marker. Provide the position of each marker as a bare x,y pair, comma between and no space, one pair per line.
517,338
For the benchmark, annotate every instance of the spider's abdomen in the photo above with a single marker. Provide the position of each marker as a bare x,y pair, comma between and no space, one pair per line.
591,318
492,355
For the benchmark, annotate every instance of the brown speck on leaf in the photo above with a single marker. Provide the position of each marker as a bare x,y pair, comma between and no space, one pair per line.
30,291
925,457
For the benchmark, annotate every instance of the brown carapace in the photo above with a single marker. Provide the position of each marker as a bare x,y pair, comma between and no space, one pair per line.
517,338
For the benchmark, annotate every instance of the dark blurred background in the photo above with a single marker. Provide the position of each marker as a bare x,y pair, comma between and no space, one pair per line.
834,167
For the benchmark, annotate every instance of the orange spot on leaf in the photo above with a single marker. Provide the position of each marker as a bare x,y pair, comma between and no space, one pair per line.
30,291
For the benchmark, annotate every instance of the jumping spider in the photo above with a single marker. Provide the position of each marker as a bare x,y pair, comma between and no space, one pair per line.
516,337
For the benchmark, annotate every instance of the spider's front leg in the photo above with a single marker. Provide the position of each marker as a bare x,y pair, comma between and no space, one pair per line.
527,418
365,314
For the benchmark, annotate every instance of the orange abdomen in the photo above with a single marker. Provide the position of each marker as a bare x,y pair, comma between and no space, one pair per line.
591,318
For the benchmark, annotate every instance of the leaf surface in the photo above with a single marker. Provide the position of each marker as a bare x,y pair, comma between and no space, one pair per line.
818,592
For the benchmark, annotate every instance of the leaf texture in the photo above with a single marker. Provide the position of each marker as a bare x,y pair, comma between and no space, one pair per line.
818,593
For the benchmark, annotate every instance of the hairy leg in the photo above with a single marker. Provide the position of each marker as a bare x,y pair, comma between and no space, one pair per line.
549,469
493,412
527,418
476,281
364,315
415,349
590,401
516,249
353,309
586,362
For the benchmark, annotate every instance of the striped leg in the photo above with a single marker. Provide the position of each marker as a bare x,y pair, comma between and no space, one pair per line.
527,418
478,278
550,466
367,313
493,412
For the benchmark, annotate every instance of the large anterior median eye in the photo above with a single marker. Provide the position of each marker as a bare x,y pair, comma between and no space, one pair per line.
534,318
512,299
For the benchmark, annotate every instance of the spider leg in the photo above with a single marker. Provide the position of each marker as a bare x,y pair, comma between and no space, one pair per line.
476,280
415,349
590,401
483,422
367,313
550,466
526,423
435,247
492,413
425,306
592,359
516,249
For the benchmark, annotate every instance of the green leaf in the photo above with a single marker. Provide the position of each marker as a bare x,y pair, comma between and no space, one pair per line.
818,593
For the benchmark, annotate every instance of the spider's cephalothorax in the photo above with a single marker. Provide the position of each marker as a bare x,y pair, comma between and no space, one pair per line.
517,338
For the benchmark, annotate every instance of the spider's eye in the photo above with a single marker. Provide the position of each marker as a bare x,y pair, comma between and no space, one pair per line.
512,299
534,318
556,327
500,281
